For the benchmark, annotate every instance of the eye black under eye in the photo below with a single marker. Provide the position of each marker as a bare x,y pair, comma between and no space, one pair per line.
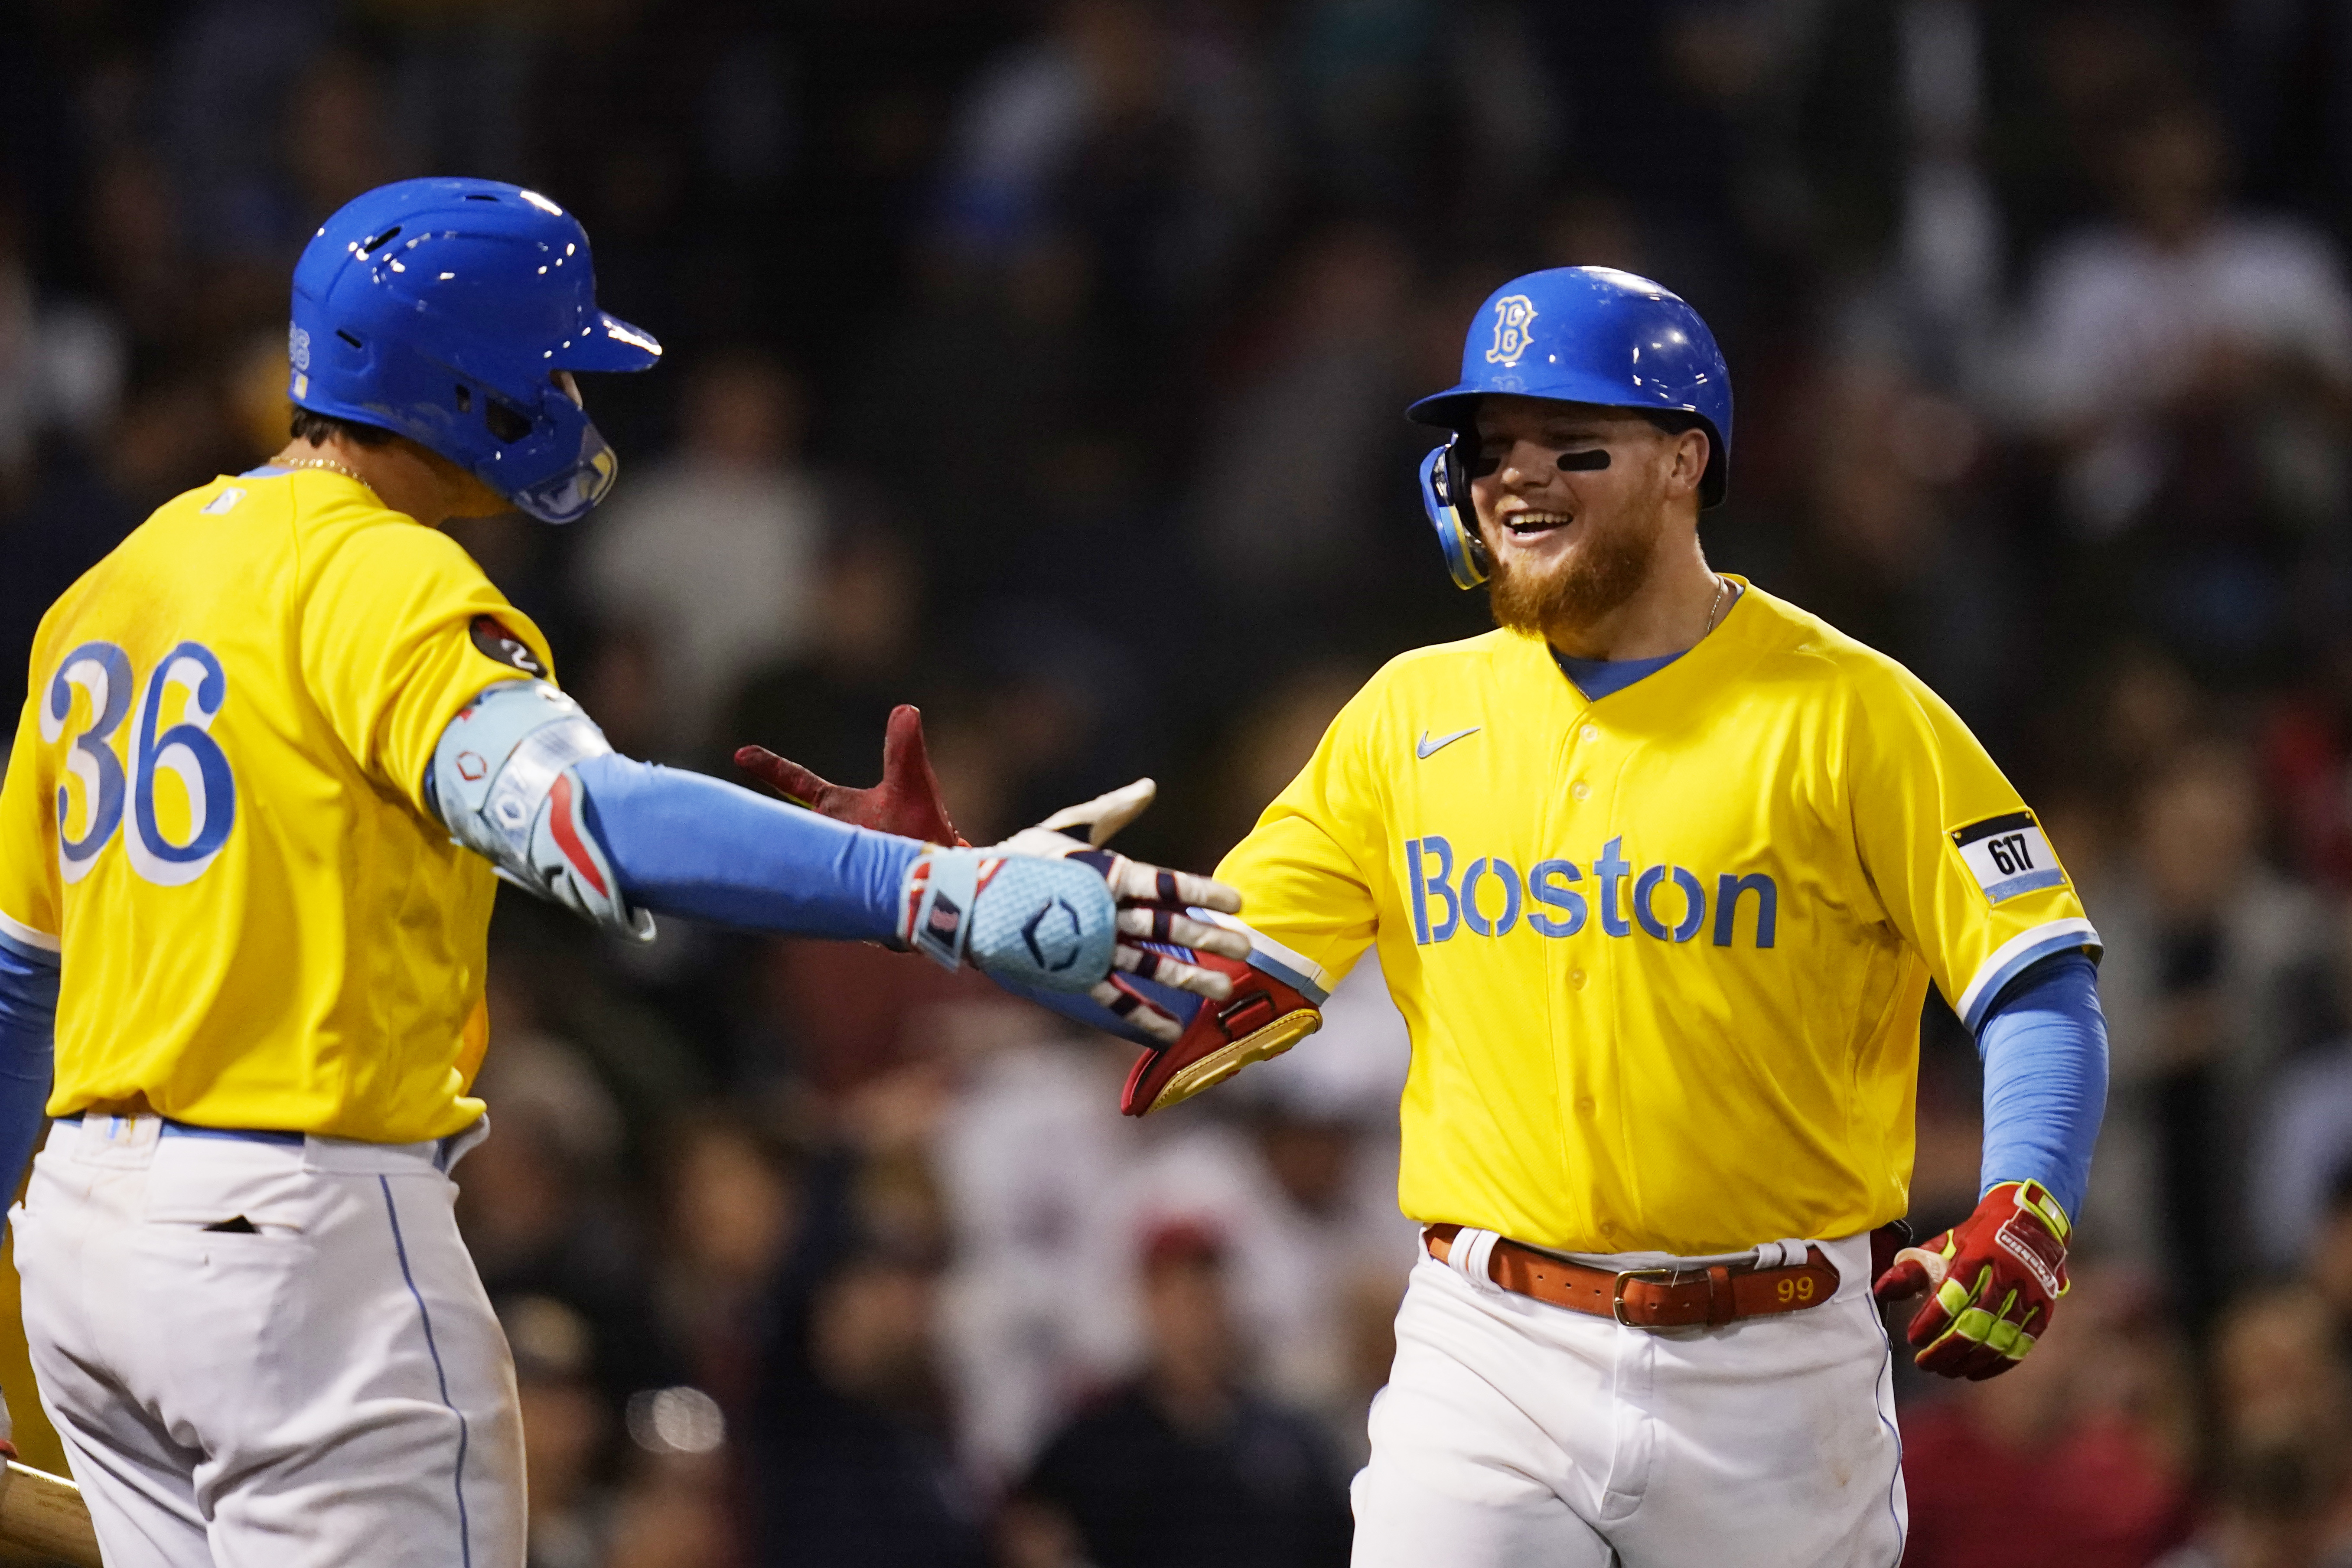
1482,464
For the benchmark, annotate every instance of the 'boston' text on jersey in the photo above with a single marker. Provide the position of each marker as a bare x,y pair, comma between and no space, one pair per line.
1554,908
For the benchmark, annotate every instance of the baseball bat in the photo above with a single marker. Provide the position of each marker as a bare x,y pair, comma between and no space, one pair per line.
42,1519
1931,1262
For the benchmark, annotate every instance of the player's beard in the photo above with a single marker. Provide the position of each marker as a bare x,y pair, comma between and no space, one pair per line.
1601,574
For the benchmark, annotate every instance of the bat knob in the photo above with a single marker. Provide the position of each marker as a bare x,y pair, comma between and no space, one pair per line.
1930,1263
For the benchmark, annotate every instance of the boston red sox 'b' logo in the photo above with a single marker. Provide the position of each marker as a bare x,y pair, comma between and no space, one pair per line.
1513,315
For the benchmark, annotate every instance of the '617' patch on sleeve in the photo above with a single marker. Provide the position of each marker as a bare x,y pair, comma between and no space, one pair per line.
2007,855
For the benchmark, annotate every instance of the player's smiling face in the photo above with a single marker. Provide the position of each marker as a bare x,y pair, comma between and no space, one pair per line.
1571,501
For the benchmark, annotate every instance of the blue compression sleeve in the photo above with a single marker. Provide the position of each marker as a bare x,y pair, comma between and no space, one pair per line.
2044,1046
28,1021
685,845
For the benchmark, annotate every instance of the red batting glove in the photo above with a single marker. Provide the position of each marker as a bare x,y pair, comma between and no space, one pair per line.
906,802
1270,1006
1997,1276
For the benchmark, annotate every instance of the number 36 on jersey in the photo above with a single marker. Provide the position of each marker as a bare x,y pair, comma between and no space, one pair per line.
141,761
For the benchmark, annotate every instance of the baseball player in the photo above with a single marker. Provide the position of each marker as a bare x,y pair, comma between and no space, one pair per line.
278,749
1660,871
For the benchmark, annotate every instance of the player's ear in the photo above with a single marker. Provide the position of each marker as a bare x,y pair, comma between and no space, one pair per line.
1691,448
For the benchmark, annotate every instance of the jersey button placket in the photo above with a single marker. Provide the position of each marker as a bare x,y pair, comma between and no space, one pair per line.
1566,957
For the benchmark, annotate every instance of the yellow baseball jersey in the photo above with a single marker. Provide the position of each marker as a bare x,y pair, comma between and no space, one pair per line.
215,815
1662,953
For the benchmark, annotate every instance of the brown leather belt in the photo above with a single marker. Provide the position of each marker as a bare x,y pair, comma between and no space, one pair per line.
1652,1298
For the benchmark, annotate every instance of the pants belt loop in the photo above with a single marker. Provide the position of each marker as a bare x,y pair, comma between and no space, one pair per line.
1472,1255
460,1144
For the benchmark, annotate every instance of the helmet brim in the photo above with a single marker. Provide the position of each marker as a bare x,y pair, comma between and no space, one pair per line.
1453,409
1448,410
609,343
1456,407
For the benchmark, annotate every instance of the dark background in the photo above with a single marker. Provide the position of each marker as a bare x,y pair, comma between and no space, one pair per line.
1043,364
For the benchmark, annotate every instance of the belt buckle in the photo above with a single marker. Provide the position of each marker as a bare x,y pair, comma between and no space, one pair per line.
1643,1275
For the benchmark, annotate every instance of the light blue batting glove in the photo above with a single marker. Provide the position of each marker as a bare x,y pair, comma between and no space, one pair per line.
1048,925
1166,919
1048,910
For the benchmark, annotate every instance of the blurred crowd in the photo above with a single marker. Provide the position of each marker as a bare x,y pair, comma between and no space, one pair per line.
1041,362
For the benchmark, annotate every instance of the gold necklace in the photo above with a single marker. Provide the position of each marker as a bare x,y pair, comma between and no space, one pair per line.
1714,605
330,464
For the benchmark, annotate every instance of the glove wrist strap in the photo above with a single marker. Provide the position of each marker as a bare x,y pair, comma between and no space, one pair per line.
2036,1200
936,902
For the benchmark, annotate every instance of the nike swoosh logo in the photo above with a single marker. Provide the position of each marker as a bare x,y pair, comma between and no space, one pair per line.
1426,748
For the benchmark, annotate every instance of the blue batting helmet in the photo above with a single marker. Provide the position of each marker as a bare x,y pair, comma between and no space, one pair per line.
1577,334
441,308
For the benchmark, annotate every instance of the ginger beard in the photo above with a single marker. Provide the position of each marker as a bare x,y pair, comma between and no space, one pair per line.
1603,572
1605,566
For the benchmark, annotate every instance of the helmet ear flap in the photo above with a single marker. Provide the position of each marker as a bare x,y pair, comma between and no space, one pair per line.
1446,496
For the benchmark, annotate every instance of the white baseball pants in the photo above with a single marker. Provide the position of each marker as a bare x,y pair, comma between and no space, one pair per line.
330,1388
1512,1433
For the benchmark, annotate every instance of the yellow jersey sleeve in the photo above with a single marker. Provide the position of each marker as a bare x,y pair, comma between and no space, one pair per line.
399,631
29,893
1961,864
1307,871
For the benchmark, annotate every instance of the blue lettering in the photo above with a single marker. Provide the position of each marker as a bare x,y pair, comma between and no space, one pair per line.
1420,893
1440,886
1556,907
1542,887
1693,904
1727,888
1611,868
1509,876
1643,886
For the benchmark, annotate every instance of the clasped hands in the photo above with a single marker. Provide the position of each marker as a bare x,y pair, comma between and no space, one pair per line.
1152,904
